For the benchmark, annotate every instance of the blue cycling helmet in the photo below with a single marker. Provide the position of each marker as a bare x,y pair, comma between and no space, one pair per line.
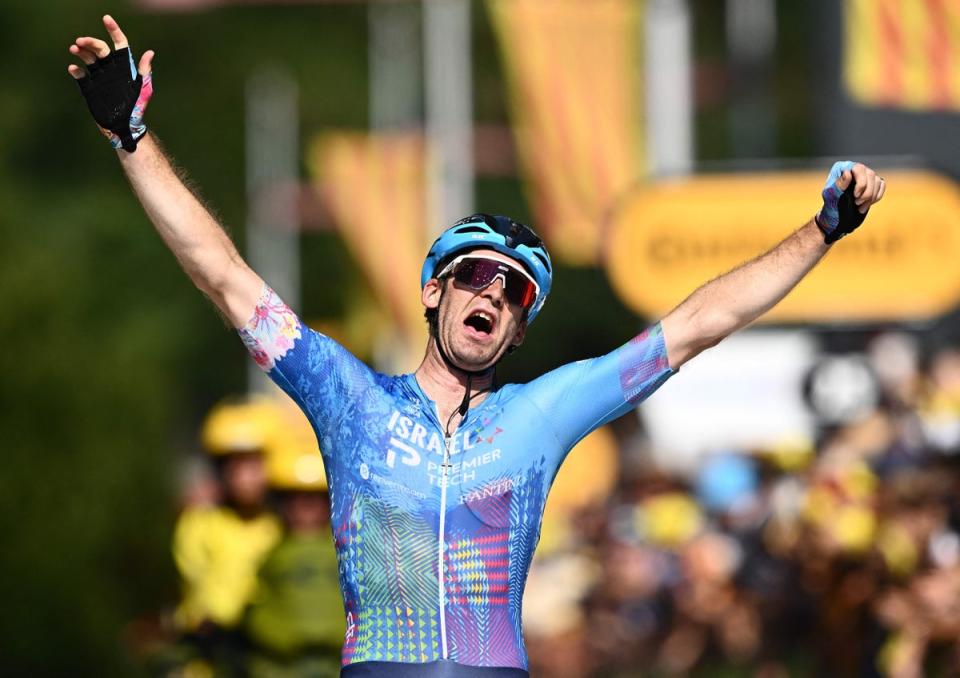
499,233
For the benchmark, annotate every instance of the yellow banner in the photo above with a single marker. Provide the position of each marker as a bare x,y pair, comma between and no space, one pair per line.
901,264
587,478
574,75
375,187
903,53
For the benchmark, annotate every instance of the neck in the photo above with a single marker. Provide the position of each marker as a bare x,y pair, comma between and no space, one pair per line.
446,384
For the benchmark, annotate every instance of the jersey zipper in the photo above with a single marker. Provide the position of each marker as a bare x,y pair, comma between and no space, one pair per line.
441,532
442,546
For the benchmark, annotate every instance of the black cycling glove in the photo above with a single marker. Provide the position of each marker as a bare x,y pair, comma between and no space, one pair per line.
839,215
117,96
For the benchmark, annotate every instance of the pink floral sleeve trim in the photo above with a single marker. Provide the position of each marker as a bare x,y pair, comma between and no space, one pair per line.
270,333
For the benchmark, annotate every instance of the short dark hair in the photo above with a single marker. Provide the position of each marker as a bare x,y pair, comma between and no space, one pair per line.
432,315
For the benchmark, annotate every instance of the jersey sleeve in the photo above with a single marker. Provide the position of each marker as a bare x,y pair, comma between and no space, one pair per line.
579,397
313,369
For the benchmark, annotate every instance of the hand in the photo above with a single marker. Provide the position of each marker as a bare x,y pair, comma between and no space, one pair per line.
850,190
117,92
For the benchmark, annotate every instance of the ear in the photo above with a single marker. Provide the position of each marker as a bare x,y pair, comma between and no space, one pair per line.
431,293
520,335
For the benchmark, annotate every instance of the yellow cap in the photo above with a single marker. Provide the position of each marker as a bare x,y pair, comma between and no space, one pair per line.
292,471
294,461
237,426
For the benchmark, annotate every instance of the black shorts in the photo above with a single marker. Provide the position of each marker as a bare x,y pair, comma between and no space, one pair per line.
439,669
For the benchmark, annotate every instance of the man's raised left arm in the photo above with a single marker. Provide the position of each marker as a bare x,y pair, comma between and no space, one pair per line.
733,300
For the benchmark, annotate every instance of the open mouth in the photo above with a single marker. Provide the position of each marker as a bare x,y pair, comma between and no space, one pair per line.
480,322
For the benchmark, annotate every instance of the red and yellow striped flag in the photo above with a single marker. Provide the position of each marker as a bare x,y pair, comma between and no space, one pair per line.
573,68
375,187
903,53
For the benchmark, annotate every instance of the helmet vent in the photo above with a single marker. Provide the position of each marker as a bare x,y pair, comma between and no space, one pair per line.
546,263
472,229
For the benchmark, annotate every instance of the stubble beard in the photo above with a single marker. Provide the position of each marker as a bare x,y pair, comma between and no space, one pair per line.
467,355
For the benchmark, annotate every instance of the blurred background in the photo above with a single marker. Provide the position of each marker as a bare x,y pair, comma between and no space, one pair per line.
787,506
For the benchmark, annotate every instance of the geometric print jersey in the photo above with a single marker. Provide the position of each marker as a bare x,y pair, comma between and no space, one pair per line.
434,535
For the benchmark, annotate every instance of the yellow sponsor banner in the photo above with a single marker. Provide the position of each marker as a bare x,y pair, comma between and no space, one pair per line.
375,187
669,238
903,53
574,75
587,478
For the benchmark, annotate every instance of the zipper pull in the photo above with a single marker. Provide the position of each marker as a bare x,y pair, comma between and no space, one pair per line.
446,465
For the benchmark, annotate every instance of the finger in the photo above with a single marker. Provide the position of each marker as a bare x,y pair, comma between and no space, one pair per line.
113,28
95,45
146,62
86,55
882,190
870,195
860,176
874,187
77,72
875,194
865,188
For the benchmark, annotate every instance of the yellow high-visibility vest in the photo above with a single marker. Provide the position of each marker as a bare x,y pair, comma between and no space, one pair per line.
218,555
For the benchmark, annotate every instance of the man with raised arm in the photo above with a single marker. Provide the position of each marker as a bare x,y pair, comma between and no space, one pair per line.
438,478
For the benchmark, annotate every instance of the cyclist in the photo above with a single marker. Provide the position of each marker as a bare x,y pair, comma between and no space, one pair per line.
438,478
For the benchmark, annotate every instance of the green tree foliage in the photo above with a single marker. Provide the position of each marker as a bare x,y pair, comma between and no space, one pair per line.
111,356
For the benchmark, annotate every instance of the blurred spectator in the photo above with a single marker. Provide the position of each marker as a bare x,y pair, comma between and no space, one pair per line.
218,548
295,622
940,407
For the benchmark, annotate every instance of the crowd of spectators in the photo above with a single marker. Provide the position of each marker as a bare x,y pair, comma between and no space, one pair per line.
834,556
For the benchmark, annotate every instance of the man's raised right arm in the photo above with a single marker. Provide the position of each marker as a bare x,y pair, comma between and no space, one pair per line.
196,239
117,93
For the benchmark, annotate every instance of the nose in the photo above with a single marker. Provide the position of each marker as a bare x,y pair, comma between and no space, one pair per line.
494,291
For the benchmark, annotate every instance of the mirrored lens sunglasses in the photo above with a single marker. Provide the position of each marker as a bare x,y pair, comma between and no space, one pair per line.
478,272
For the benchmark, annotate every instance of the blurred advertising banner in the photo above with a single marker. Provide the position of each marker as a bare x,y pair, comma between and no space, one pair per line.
903,53
745,394
587,478
375,186
668,238
573,70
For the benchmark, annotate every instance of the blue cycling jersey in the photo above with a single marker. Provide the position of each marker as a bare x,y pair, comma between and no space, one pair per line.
435,535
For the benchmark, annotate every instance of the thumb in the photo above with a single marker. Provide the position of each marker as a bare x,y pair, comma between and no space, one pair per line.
845,178
146,63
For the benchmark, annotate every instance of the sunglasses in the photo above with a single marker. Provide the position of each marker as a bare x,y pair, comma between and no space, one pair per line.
477,273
